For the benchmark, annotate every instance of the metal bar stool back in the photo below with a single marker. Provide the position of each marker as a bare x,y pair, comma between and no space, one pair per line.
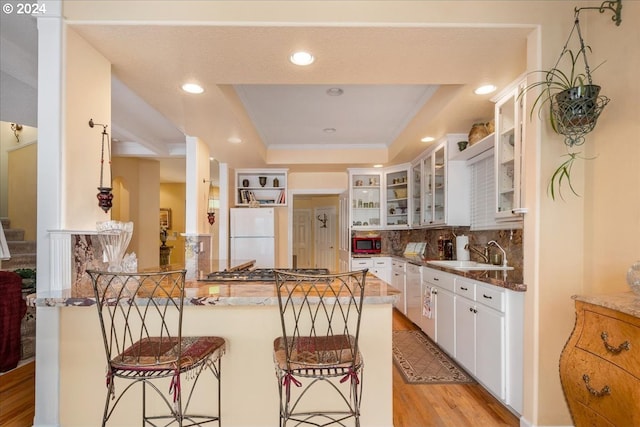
141,320
320,316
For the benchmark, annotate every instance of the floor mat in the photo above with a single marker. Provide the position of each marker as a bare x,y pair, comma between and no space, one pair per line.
422,362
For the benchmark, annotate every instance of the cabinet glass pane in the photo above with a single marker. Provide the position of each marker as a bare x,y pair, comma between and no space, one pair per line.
506,156
365,202
416,176
427,192
397,198
439,185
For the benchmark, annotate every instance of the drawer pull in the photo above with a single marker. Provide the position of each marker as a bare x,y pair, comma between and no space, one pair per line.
463,288
604,392
611,349
487,296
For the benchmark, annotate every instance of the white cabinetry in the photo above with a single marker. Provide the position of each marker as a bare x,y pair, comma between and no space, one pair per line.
509,143
397,201
398,282
382,268
445,186
413,284
439,287
266,186
366,199
415,217
361,264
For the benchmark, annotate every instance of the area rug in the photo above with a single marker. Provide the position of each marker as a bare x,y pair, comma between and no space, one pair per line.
422,362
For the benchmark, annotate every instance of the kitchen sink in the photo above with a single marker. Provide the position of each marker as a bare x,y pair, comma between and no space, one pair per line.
467,265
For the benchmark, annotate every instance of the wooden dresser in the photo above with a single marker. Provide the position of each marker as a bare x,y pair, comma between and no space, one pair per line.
600,364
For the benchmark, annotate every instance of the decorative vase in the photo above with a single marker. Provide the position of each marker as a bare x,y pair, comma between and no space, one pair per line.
114,236
633,277
276,182
263,180
245,182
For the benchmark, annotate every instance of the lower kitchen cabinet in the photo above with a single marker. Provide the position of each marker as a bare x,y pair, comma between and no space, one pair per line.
414,294
481,327
437,288
398,282
382,268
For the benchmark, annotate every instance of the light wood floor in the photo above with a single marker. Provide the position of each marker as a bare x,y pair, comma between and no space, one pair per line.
444,405
414,405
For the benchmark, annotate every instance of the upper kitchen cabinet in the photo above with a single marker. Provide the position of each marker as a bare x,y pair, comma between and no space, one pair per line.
510,123
397,201
266,186
416,193
366,198
445,186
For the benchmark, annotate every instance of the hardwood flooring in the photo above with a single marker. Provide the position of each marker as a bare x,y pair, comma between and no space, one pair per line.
17,396
414,405
444,405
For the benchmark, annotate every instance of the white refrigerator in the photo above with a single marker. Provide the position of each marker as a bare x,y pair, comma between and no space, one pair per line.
252,235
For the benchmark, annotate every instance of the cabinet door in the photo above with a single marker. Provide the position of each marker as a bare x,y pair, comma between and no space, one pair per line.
508,155
445,321
415,216
398,282
490,350
466,333
366,200
397,198
414,294
440,183
427,190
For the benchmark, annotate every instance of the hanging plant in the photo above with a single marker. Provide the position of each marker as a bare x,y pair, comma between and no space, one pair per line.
573,103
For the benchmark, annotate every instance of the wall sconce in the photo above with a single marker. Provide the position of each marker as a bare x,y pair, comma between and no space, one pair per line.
323,220
105,197
16,128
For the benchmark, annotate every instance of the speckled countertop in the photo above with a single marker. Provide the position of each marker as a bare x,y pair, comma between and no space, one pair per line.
508,279
200,293
624,302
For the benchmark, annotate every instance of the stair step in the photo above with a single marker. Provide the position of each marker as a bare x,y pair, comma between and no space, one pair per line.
6,223
14,234
20,261
21,247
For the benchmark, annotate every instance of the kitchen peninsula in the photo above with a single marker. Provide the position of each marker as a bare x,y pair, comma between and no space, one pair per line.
245,313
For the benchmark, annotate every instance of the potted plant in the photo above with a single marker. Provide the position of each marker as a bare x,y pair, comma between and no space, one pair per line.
574,104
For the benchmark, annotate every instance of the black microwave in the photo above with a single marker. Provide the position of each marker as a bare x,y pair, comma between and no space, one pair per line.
366,245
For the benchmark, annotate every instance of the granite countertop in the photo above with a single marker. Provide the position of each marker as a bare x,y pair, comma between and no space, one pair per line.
624,302
238,293
508,279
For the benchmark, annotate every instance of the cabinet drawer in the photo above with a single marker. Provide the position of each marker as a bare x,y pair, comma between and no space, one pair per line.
381,262
439,278
361,263
617,333
491,297
621,405
465,288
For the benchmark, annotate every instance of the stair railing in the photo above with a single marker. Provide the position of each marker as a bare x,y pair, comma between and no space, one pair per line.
4,249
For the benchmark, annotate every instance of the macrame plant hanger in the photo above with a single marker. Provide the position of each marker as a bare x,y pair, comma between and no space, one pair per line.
575,112
105,197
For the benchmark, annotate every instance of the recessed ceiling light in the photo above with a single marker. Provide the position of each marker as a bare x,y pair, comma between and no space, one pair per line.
334,91
428,139
484,89
329,130
192,88
302,58
377,166
234,140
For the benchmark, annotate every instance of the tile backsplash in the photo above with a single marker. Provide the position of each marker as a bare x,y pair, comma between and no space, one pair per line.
394,241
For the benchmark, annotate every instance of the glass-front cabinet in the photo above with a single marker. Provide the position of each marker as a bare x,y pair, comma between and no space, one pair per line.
397,197
366,199
508,152
416,194
434,185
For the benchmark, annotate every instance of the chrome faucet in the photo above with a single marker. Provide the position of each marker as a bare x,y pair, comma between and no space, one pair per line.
484,254
504,254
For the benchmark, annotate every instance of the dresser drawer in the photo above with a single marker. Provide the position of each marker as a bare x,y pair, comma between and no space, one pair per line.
620,406
598,327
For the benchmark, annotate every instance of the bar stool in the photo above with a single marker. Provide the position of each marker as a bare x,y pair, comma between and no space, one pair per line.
141,319
320,317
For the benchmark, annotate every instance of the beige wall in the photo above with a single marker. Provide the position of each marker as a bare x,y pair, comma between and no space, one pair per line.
22,185
172,196
8,142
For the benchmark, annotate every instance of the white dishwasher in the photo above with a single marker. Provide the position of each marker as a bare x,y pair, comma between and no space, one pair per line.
413,279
